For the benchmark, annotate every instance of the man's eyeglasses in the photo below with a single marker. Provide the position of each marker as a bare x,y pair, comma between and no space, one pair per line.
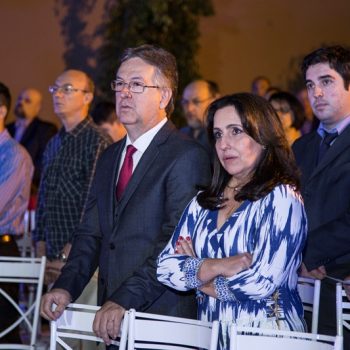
66,89
133,86
196,101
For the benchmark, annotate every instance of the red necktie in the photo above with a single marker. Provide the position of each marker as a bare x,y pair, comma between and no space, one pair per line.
125,171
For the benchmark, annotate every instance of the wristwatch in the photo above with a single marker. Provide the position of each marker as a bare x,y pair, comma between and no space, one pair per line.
62,257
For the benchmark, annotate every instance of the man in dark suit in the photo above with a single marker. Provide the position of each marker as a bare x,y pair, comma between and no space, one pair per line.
324,160
124,233
29,130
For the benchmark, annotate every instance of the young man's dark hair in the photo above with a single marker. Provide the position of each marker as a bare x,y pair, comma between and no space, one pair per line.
337,57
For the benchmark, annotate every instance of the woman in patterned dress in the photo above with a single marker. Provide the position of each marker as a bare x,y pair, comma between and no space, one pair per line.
239,242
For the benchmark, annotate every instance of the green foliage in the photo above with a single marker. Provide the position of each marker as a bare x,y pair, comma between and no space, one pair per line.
171,24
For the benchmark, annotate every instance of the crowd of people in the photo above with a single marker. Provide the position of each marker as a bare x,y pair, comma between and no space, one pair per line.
215,220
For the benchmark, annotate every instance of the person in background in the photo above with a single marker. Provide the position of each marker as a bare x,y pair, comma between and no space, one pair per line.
105,117
16,171
260,85
270,91
196,98
69,164
141,186
291,113
311,122
324,157
32,132
239,242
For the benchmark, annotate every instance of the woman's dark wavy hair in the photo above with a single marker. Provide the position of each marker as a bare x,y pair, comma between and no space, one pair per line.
277,164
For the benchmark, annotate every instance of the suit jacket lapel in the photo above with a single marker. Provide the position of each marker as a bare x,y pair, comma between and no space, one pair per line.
145,163
112,200
340,144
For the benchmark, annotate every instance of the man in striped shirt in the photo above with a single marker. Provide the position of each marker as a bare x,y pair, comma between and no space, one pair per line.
16,171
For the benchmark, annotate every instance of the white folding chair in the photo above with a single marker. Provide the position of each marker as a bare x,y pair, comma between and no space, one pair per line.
149,331
343,309
23,271
309,290
76,323
25,243
243,338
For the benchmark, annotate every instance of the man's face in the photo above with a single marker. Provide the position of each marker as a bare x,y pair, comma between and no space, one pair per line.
195,101
76,102
139,112
28,104
329,99
260,87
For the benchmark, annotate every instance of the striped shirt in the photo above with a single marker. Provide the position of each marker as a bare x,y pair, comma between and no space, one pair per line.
68,168
16,171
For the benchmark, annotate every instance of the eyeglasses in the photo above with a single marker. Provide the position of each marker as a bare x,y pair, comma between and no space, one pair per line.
66,89
133,86
194,101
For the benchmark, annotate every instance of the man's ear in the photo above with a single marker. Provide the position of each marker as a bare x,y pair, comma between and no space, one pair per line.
88,97
166,96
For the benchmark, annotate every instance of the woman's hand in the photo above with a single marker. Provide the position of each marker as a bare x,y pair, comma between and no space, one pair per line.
185,246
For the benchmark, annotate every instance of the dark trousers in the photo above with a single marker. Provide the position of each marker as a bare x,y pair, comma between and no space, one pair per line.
8,314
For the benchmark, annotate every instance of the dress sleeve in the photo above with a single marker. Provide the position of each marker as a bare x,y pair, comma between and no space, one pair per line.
278,229
178,270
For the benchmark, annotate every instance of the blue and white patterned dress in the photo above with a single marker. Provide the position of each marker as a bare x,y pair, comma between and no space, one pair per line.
272,229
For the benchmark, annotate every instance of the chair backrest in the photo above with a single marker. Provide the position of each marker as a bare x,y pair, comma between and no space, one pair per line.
309,291
243,338
25,243
149,331
23,271
343,309
76,323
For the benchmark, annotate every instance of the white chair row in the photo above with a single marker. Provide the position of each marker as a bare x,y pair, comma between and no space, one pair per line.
309,290
148,331
22,271
138,330
243,338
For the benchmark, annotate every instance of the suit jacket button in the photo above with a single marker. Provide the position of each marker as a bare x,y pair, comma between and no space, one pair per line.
112,246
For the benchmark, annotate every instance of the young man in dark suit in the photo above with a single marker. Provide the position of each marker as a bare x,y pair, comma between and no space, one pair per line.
127,224
324,160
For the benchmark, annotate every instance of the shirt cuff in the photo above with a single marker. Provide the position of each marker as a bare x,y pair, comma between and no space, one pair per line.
191,268
222,289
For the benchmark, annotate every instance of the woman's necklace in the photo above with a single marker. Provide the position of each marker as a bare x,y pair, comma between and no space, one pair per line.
236,204
234,188
232,209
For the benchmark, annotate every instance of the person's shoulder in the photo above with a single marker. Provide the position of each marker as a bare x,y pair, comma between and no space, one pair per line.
303,140
17,153
95,132
285,193
45,124
183,141
24,155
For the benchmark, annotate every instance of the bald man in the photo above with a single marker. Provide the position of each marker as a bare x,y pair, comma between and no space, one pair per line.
196,98
69,164
29,130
